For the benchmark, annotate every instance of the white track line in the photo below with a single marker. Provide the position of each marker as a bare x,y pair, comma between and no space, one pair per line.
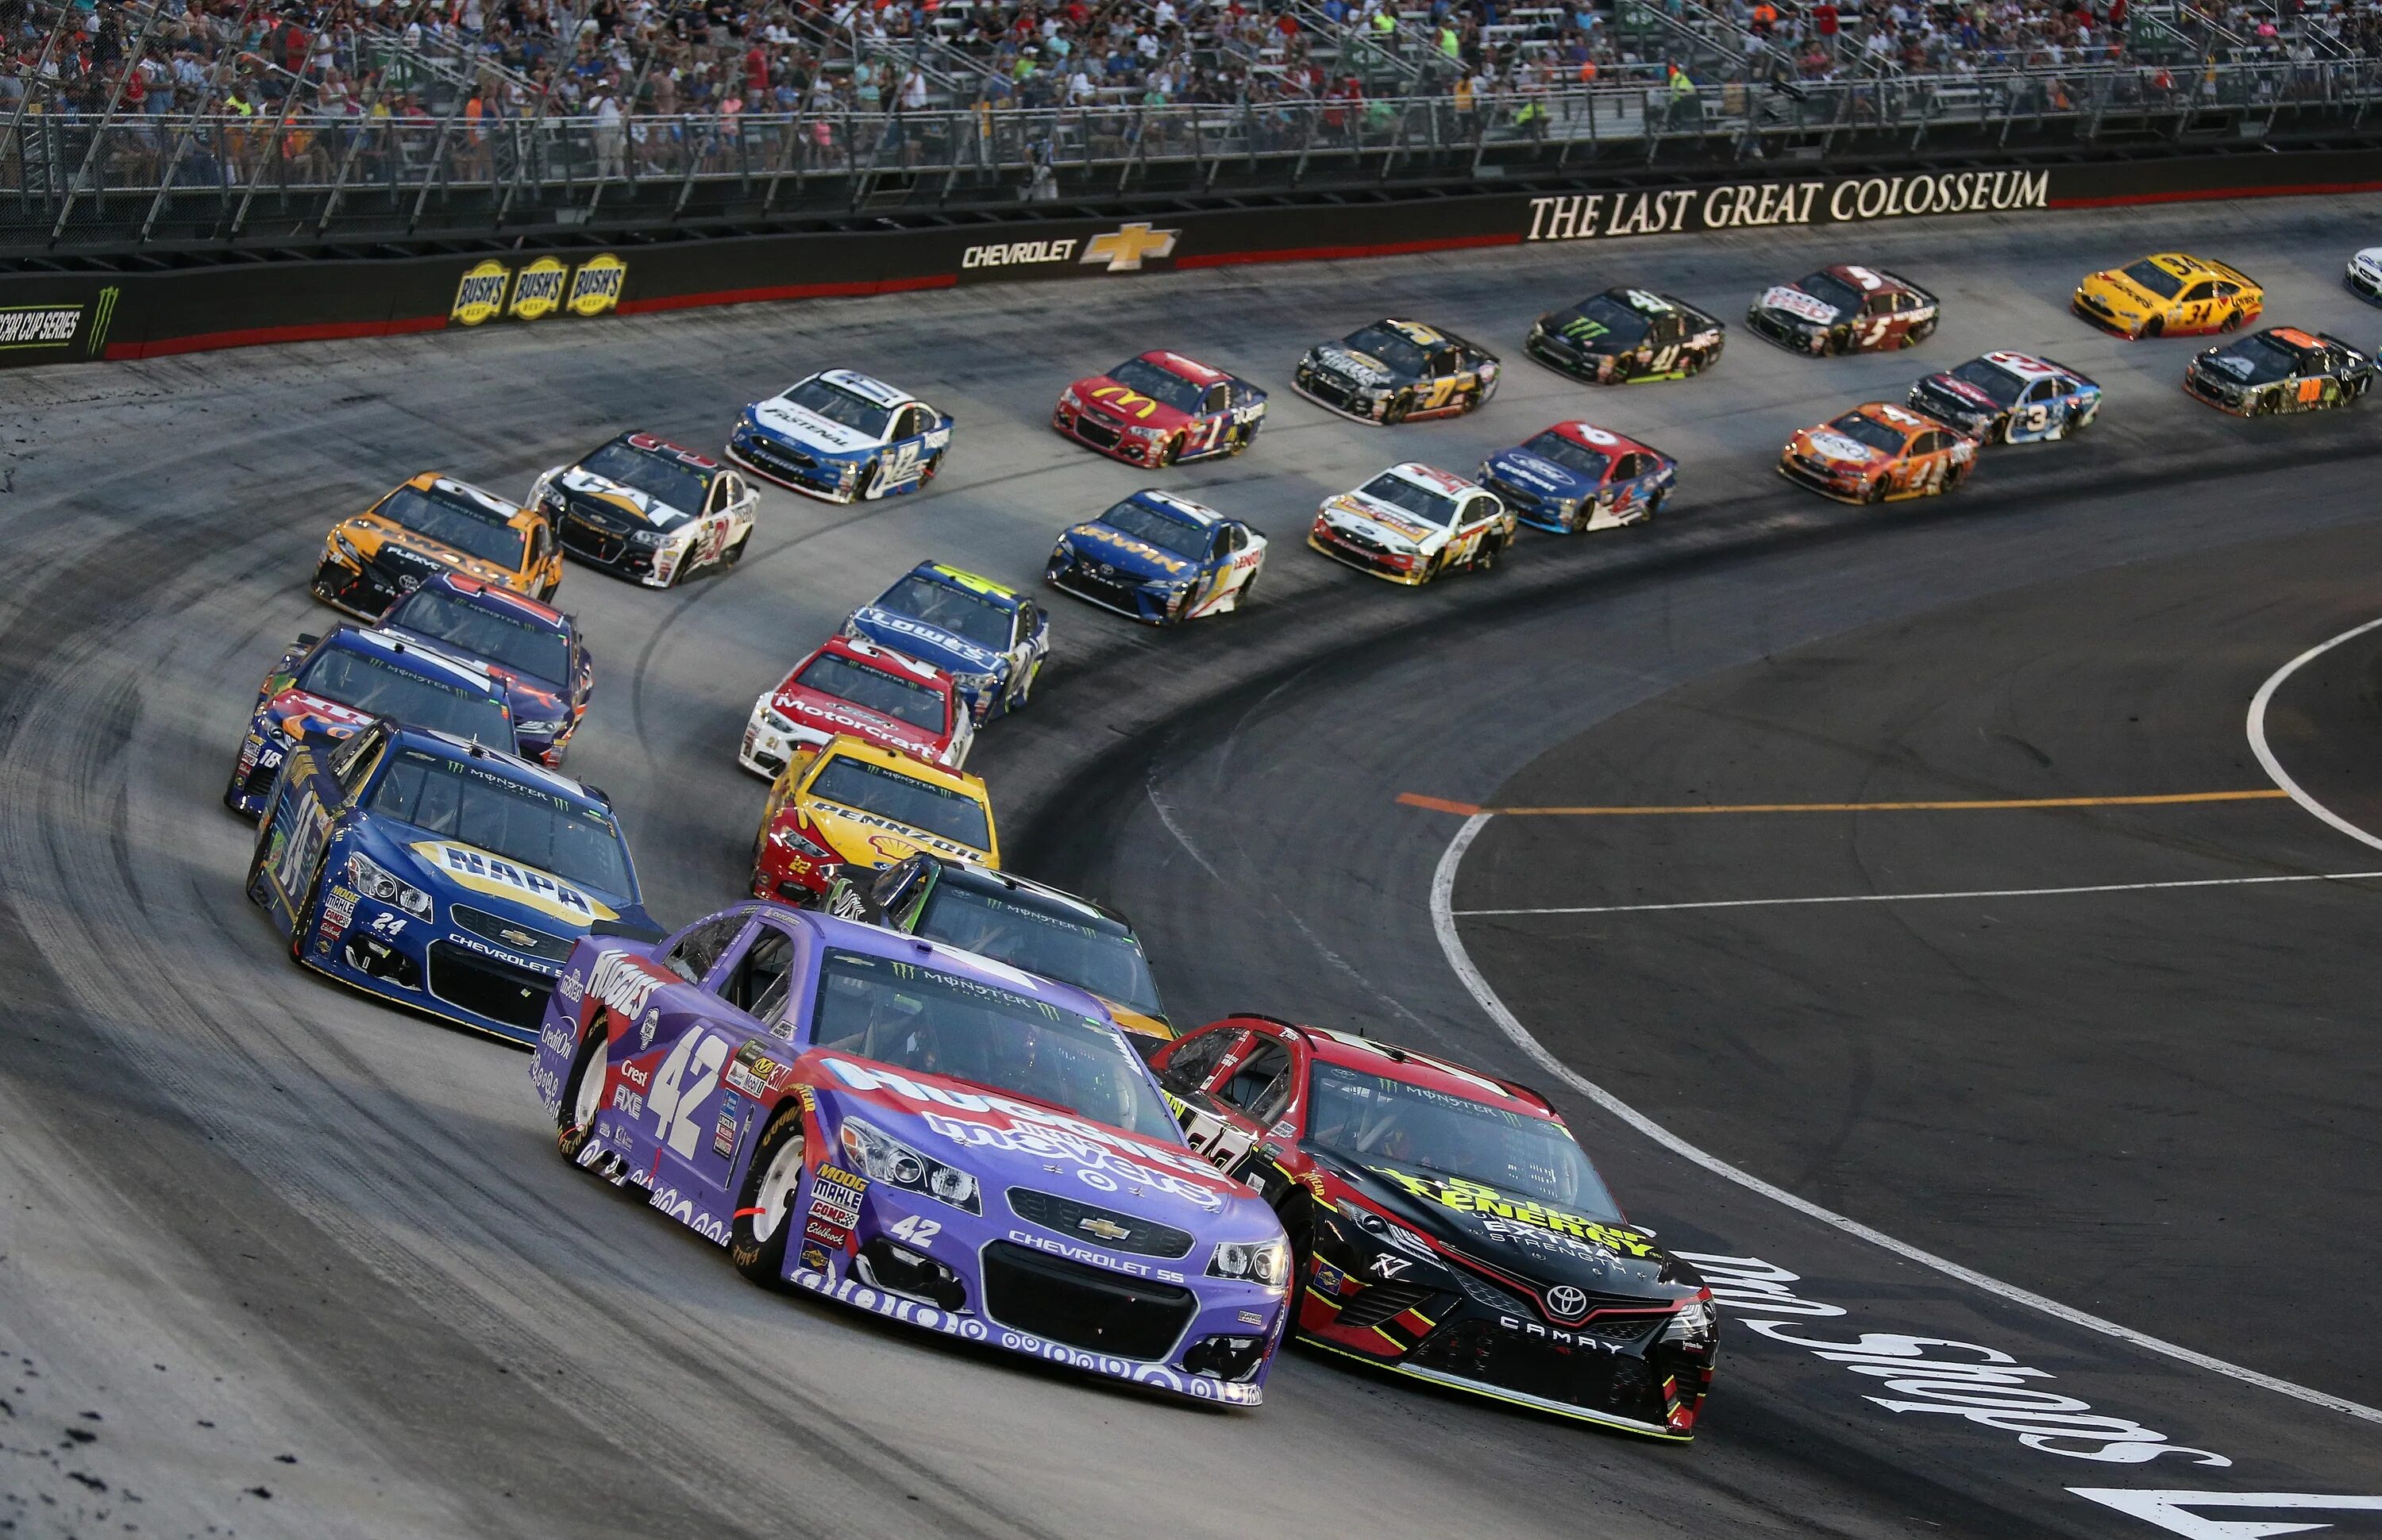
2257,729
1443,921
1924,898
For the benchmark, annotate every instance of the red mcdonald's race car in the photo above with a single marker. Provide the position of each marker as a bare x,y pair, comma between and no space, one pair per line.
1161,409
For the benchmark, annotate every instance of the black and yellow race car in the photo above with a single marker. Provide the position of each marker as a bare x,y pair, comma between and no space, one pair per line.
431,526
2280,369
1397,371
1627,335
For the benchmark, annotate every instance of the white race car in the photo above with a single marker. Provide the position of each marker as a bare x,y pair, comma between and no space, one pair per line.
648,509
2363,275
1411,523
843,438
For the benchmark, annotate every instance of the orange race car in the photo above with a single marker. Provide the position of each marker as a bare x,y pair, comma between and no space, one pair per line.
1879,452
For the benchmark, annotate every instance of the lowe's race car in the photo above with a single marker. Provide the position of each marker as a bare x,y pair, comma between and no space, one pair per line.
1627,335
2009,398
534,651
1577,476
843,438
645,508
1160,558
990,638
438,874
920,1132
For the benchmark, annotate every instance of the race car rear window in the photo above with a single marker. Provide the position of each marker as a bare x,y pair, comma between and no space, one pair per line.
1385,344
1864,430
1161,529
377,685
2157,279
839,405
518,645
954,609
465,527
939,810
1158,384
888,694
1831,291
941,1023
2255,360
1589,463
661,477
1991,378
476,806
1043,935
1421,502
1610,324
1373,1120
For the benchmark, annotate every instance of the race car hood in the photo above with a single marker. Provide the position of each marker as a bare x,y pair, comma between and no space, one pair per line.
828,713
2112,284
951,652
297,712
1829,444
1588,335
1143,413
1381,521
1786,299
1521,468
640,506
1516,1233
1361,367
807,428
868,839
510,889
379,538
1135,560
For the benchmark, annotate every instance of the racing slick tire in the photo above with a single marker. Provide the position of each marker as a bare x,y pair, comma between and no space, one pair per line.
1485,559
1655,506
1691,365
1919,334
1247,592
1024,693
2152,327
1876,493
1398,409
867,482
1243,439
927,472
583,1092
2232,323
1840,341
765,1209
301,913
255,887
1171,454
735,553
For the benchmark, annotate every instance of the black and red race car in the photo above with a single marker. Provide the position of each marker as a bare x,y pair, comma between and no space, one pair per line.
1446,1225
1844,308
1161,409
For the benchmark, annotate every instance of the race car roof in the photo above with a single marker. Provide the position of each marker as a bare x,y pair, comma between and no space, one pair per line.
886,660
865,387
870,941
431,481
1604,440
2026,366
845,746
1189,369
984,879
1181,508
497,597
1644,301
983,587
1416,332
1895,415
1355,1052
416,653
1871,280
1444,482
648,443
509,764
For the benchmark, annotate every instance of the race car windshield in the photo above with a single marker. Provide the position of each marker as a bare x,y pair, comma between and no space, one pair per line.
2255,361
887,694
1606,321
484,633
380,686
1399,352
2158,280
1589,463
1991,378
474,805
1371,1119
939,810
465,527
839,405
1831,291
1864,430
952,609
1172,390
1043,935
940,1023
1161,529
1424,504
660,476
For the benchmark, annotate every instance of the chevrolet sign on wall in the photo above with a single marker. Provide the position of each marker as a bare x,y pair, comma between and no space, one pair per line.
1127,249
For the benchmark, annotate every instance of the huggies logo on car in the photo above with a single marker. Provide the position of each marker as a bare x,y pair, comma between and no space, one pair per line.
537,290
523,884
481,296
621,982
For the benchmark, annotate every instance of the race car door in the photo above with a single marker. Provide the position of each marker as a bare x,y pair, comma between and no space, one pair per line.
905,452
1206,436
1187,1069
1481,510
671,1057
705,1091
1623,495
2192,308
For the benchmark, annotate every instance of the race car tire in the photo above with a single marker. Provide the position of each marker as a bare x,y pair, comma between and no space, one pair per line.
1919,334
255,887
1243,439
301,913
1655,505
575,1114
1876,493
1691,365
1171,454
927,472
1398,409
1247,591
1024,690
1840,341
2154,326
1485,559
865,485
758,1234
2232,322
735,553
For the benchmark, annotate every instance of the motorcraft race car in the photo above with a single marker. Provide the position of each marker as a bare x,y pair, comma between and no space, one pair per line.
2169,294
1844,308
1162,409
2281,369
1627,335
865,691
439,874
990,638
2009,398
533,650
434,524
1397,371
1577,476
643,507
1879,452
857,803
843,438
920,1132
333,685
1159,558
2362,277
1446,1225
1412,523
1009,919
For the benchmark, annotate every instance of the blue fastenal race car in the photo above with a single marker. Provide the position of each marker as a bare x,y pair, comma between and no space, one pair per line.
843,436
990,638
429,870
2009,398
1577,476
533,650
337,683
919,1131
1160,558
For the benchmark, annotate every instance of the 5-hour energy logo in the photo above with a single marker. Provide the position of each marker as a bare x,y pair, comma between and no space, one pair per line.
543,287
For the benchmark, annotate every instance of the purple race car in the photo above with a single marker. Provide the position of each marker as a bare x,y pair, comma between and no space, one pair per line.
919,1131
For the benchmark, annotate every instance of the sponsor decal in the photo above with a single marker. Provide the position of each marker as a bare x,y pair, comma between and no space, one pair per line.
538,290
527,885
1567,1303
813,1259
635,1076
474,944
556,1038
340,908
1753,205
41,326
573,988
726,1132
628,1101
595,286
681,1207
481,295
901,624
1139,550
1388,1266
1126,248
751,1070
1017,253
645,1029
1471,1197
834,1207
1328,1278
1250,1318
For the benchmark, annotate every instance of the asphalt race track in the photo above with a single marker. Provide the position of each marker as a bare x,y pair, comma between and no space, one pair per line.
277,1260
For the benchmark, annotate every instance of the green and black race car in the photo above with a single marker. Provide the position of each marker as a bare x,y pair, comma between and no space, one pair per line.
1624,335
2280,369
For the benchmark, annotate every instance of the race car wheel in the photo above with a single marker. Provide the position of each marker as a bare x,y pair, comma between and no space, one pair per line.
302,915
2232,322
1398,409
1840,341
927,472
867,483
2154,326
1243,439
1876,493
1691,365
1247,592
736,553
1485,559
1655,506
1919,334
1025,689
765,1209
583,1092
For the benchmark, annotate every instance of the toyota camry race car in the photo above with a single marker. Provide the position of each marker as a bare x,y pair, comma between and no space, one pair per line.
1397,371
1627,335
1577,476
843,436
429,870
644,508
332,685
865,691
2362,277
1876,453
920,1132
856,803
534,651
2009,398
2168,293
434,524
1160,558
990,638
1161,409
1844,308
1446,1225
2281,369
1411,523
1026,924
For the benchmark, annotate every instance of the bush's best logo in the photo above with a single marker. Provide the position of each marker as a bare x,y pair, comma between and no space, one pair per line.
544,287
481,296
538,290
595,287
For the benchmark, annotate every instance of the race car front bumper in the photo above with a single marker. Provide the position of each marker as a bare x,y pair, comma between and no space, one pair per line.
365,592
1554,515
2233,400
767,746
1826,483
773,460
1791,335
2098,311
466,972
1397,567
2367,284
1590,368
1095,431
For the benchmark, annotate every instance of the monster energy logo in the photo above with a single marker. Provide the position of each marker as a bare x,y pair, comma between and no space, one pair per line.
54,325
101,314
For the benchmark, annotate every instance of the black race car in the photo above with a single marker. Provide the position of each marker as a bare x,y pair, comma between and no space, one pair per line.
1397,371
1627,335
1446,1225
2280,369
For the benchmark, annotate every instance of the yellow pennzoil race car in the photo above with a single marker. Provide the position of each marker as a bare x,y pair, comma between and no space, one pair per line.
431,526
849,803
1879,452
2169,294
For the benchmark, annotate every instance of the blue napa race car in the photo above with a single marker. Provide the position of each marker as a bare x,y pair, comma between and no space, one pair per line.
843,438
1577,476
439,874
533,650
1160,558
990,638
917,1131
2009,398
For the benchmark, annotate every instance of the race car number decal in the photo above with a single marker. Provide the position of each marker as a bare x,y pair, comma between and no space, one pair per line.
675,1102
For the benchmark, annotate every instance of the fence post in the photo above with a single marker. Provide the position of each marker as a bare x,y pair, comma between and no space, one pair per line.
355,141
99,135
